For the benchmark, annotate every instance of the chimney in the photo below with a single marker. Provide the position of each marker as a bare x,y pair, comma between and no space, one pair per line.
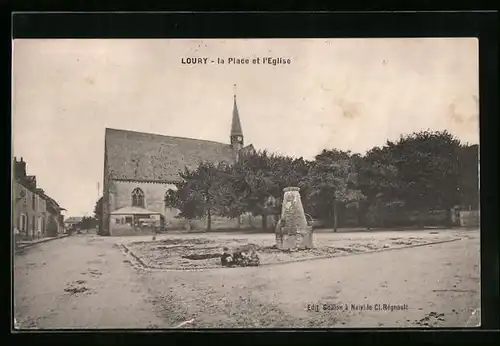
19,168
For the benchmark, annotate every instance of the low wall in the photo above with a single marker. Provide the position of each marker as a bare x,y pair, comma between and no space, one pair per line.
201,224
469,218
247,221
127,229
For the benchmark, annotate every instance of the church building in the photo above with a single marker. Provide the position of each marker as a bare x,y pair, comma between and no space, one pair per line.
140,169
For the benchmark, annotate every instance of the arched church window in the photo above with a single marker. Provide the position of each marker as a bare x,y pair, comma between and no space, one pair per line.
170,197
138,198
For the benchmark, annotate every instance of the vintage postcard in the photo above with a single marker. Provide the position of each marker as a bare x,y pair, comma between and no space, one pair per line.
245,183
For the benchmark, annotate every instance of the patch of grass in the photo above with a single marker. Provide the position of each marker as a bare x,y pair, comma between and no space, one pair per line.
201,257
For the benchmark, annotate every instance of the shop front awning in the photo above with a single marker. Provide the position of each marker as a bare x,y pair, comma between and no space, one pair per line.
134,211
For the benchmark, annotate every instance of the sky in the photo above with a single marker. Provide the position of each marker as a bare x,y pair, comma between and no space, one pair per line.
349,94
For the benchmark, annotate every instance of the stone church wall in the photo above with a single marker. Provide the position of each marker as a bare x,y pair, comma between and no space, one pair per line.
154,194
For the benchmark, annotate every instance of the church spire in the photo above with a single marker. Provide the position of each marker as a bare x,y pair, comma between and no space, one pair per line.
236,124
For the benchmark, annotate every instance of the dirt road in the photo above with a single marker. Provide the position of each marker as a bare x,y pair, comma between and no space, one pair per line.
436,285
78,282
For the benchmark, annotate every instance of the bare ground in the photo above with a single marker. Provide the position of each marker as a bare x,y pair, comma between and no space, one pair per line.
87,282
175,251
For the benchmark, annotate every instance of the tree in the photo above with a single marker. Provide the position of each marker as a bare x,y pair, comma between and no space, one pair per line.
331,182
469,176
378,181
255,184
255,180
98,215
333,155
87,222
199,193
234,191
293,172
185,199
420,170
209,188
428,167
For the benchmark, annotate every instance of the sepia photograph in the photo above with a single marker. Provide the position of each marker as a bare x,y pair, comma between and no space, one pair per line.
245,183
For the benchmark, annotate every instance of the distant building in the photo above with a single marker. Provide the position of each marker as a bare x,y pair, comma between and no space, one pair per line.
35,214
141,168
72,221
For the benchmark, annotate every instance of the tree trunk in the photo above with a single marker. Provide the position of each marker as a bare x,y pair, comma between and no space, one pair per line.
448,221
250,221
264,221
382,215
239,222
335,216
358,220
420,218
363,214
209,220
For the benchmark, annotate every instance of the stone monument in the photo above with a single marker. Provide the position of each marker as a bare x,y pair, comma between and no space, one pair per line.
292,231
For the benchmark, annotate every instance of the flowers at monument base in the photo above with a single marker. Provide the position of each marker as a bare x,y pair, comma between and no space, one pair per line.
242,257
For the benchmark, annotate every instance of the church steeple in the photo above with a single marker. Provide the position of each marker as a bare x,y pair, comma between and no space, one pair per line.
236,131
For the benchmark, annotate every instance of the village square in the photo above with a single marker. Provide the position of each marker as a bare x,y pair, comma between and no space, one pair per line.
142,266
194,232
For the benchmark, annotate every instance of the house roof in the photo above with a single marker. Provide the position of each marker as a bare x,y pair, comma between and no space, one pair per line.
151,157
57,208
133,211
40,192
26,184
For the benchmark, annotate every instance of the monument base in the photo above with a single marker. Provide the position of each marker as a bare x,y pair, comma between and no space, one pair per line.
300,241
306,240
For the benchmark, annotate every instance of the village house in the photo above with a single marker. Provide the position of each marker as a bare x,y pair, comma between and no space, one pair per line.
72,221
55,219
141,168
35,215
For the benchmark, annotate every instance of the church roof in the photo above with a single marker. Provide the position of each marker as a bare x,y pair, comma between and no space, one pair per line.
150,157
248,149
